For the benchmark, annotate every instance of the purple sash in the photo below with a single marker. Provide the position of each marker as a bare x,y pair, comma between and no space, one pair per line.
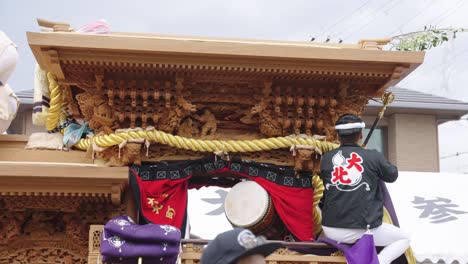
123,241
124,227
363,251
161,260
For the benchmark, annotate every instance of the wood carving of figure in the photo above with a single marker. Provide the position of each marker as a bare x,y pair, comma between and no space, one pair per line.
180,100
130,154
40,225
170,121
303,160
247,117
103,117
103,110
187,128
186,105
260,107
268,125
11,226
73,229
209,123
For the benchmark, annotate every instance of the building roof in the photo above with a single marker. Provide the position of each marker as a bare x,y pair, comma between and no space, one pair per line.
411,101
26,97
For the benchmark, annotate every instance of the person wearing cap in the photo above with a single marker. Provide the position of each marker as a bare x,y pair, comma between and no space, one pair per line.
238,246
353,201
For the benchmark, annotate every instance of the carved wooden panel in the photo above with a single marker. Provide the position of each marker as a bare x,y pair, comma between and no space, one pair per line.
50,229
201,108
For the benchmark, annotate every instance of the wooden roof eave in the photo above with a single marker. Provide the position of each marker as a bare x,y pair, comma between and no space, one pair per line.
49,179
146,44
31,172
52,48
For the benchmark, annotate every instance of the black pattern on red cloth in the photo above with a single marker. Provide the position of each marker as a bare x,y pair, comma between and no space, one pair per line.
292,195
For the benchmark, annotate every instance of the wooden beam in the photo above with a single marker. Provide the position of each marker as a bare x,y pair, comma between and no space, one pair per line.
12,141
217,48
62,180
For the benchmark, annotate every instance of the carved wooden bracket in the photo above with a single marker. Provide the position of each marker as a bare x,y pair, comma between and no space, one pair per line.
56,26
398,71
373,44
54,64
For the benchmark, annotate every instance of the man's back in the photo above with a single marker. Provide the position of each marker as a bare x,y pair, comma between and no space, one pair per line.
351,176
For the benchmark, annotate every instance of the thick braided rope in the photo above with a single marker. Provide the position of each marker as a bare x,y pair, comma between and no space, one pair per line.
317,184
56,103
155,136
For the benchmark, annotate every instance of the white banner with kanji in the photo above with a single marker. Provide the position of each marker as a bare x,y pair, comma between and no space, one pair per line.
433,209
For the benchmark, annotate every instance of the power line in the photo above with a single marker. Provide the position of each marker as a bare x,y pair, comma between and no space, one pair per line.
372,17
452,58
450,11
343,18
414,17
391,4
444,14
454,155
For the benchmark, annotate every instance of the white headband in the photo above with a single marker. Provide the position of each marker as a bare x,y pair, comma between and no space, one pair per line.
350,126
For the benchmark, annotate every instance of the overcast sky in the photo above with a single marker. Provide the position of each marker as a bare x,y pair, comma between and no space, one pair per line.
444,72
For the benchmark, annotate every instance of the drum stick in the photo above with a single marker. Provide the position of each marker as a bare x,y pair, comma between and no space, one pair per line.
387,98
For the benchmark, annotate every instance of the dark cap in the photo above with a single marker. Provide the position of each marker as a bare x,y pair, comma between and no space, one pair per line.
230,246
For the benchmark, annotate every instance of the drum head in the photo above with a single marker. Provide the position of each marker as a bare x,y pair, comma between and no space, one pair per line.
246,204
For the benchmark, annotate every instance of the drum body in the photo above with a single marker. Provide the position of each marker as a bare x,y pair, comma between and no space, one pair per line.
248,205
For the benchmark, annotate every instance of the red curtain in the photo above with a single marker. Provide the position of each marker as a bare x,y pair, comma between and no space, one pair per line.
163,201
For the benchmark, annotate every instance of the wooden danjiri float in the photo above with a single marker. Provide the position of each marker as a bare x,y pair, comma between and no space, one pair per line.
233,107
